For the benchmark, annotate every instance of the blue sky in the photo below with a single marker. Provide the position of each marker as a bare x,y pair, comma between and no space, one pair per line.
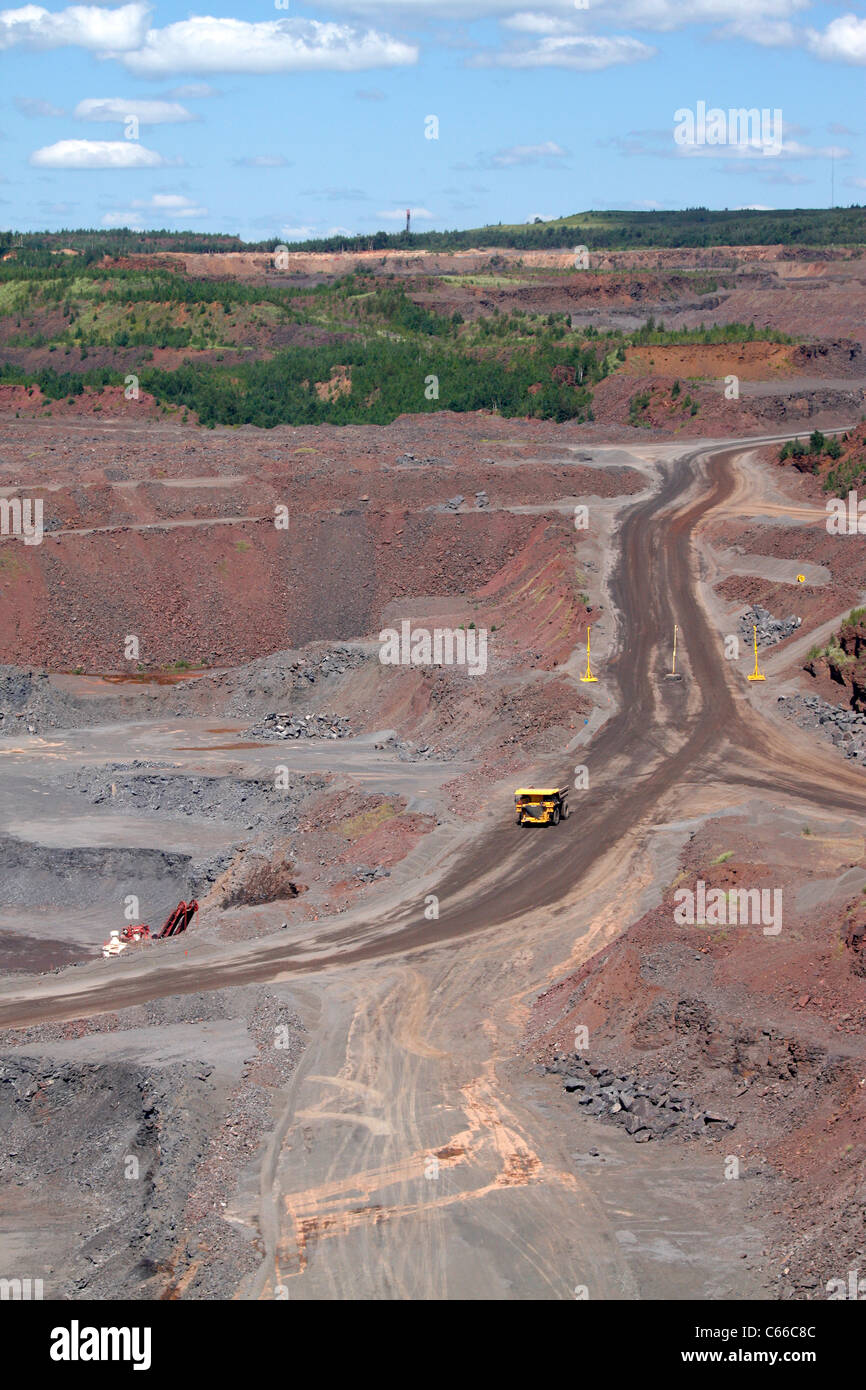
290,120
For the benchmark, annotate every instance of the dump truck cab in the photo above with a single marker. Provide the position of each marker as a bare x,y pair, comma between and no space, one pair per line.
540,805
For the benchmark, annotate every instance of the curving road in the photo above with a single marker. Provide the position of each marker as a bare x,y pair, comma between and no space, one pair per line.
664,734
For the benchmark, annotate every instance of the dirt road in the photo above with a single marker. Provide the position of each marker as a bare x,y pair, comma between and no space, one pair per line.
665,735
414,1155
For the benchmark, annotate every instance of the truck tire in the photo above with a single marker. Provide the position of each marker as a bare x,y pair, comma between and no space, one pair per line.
556,815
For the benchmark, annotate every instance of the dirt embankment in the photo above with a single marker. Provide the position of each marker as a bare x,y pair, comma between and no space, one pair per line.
751,361
838,466
789,556
110,401
759,1025
217,551
729,388
843,661
126,1135
252,264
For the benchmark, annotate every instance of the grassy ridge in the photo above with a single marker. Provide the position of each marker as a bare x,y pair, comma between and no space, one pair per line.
617,231
596,230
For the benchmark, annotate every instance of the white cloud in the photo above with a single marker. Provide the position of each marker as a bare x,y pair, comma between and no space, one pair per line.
794,149
297,233
580,53
168,202
790,149
119,109
768,33
84,26
34,107
535,22
206,44
399,214
262,161
171,207
844,40
648,13
764,23
95,154
525,154
191,91
640,144
672,14
134,220
661,144
658,15
577,38
784,177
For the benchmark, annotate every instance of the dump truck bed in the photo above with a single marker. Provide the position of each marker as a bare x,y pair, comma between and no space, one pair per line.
541,791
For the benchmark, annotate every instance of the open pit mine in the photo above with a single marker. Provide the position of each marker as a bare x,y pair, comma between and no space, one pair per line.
432,849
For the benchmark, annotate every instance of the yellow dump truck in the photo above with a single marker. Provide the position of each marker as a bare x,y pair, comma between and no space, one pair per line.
540,805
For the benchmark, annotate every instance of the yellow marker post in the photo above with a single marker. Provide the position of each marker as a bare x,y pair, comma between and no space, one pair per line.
589,676
673,674
756,674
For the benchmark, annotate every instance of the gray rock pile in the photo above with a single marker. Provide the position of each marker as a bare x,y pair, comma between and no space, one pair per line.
283,678
367,875
408,460
652,1108
770,629
334,663
157,788
844,727
407,751
279,726
32,701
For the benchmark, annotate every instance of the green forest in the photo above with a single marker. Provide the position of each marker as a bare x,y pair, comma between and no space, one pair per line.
610,230
359,349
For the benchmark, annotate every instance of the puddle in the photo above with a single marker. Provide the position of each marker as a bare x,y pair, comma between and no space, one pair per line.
214,747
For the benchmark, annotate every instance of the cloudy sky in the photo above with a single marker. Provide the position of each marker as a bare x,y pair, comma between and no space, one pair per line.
277,118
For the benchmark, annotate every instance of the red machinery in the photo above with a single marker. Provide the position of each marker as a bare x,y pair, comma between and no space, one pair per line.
179,920
135,934
176,922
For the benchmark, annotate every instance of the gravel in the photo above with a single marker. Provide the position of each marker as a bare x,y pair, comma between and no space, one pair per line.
153,1147
770,629
288,725
844,727
652,1108
32,701
151,787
